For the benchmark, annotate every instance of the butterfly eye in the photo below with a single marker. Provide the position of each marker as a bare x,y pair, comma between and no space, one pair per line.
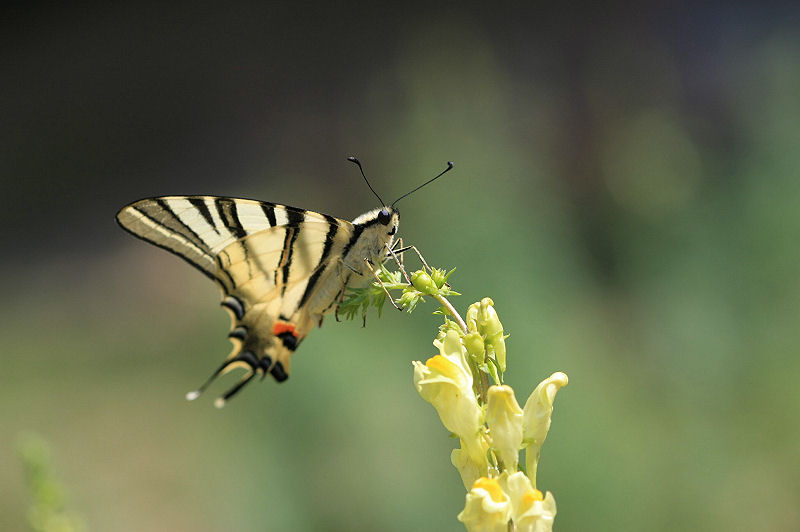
384,217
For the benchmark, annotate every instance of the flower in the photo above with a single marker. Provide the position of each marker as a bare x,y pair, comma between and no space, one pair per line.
504,418
488,420
530,511
487,507
445,381
536,419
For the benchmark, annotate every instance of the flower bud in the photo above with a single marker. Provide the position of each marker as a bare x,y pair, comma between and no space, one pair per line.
474,344
440,276
536,419
482,319
504,418
488,322
472,317
423,282
492,330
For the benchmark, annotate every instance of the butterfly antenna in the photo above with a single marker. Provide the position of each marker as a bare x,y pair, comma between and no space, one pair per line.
357,162
449,167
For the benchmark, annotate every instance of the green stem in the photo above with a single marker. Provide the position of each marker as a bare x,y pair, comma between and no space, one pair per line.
483,391
453,312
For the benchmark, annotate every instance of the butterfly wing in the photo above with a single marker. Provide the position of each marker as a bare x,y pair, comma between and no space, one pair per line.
275,265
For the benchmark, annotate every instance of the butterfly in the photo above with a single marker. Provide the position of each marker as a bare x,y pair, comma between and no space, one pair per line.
281,269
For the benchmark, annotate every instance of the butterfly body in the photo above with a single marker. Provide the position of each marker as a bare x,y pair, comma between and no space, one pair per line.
281,269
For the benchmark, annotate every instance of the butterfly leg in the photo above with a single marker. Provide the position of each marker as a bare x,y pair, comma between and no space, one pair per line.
380,282
406,248
343,280
398,249
393,254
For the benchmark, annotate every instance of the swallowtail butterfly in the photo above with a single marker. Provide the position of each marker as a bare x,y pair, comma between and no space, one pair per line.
281,269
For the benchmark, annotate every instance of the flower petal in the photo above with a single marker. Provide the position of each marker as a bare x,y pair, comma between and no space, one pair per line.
504,418
445,381
487,507
537,415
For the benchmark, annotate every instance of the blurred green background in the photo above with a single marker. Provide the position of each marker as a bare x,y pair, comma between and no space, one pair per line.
626,190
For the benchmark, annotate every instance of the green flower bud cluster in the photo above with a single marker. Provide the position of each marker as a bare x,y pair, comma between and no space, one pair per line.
358,300
425,282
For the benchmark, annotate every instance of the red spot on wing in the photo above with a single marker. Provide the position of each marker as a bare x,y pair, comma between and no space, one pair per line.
283,327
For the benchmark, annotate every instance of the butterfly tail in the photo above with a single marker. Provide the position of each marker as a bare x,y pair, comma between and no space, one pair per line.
245,359
220,401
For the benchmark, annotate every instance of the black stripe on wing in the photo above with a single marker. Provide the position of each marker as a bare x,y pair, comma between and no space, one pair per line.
329,239
269,212
295,219
199,203
182,227
164,243
196,228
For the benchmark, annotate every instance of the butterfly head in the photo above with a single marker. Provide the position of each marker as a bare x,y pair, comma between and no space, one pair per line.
383,220
389,217
373,232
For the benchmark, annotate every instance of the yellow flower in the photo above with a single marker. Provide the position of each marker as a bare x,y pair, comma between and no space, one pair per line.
487,507
445,381
530,511
504,418
537,414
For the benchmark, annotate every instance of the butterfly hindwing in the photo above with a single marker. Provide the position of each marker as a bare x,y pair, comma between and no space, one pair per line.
269,278
280,257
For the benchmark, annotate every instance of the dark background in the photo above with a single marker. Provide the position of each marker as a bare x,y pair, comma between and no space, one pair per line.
626,190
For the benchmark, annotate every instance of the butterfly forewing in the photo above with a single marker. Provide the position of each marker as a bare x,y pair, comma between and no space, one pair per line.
197,228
